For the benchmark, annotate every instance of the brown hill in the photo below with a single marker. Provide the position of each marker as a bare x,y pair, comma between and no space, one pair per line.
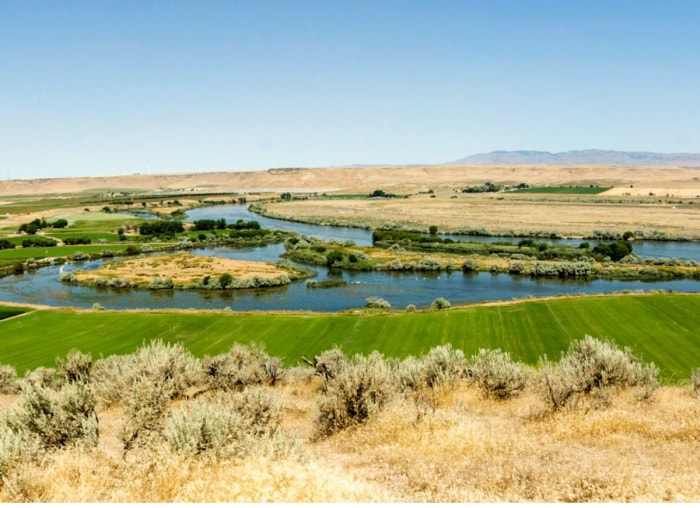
366,179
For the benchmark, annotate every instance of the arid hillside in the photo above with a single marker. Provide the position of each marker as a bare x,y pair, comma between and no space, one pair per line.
680,182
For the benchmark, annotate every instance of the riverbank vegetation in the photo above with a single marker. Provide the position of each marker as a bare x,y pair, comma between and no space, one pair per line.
504,214
406,251
161,424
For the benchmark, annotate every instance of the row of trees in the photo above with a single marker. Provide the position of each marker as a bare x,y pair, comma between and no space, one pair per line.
32,227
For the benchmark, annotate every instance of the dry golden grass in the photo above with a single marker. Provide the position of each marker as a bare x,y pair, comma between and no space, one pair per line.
398,179
511,213
448,446
568,215
181,268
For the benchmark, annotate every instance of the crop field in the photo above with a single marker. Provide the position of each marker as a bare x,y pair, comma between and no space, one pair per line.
562,190
656,327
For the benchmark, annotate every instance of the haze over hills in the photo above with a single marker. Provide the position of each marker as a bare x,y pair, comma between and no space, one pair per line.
590,157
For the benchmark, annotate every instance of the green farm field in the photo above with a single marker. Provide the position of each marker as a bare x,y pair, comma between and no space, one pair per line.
659,328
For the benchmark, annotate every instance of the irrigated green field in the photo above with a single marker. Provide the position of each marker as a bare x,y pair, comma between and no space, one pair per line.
660,328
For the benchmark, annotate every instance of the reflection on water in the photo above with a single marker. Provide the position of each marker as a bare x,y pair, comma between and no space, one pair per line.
400,289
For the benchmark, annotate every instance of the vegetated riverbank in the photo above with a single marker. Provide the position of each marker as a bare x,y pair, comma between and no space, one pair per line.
412,252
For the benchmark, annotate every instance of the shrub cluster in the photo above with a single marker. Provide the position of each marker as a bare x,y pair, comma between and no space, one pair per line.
591,368
374,302
83,240
358,390
38,241
497,375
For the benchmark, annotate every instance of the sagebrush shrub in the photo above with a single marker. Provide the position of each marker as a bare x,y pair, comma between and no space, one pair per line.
242,365
356,393
168,364
591,367
75,368
57,419
443,365
229,423
8,379
497,375
14,445
41,376
330,363
145,406
695,382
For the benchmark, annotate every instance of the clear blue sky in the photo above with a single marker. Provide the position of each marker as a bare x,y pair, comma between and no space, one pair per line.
103,87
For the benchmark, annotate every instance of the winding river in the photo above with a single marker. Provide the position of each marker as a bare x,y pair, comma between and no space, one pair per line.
400,289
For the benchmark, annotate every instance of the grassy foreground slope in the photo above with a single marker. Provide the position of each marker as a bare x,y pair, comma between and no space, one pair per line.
660,328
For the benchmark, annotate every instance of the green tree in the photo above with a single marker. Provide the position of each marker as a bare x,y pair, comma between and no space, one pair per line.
225,280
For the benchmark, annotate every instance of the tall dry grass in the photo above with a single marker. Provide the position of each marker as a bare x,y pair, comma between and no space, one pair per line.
463,448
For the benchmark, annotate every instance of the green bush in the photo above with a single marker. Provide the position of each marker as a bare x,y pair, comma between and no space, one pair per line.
225,280
440,303
374,302
229,424
497,375
470,266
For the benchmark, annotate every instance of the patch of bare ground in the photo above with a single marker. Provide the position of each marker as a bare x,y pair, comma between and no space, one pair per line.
181,268
450,446
572,218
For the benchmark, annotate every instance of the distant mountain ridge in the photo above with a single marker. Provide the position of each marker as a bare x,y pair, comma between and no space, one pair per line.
591,157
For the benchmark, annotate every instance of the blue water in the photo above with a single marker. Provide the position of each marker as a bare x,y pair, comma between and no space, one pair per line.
400,289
